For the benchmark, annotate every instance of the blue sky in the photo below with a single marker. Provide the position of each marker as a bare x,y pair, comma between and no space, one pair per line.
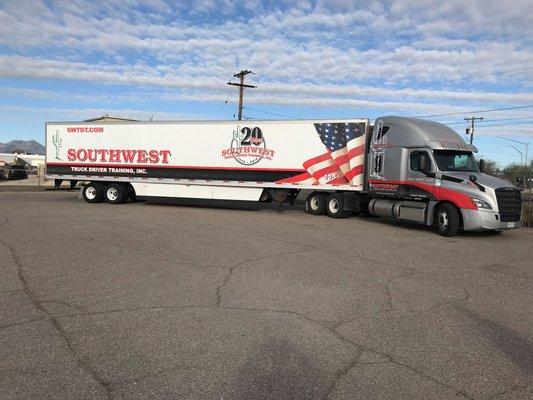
77,59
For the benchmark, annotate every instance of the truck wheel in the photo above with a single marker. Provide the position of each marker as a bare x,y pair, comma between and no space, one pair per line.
335,206
447,220
115,193
93,192
316,203
365,212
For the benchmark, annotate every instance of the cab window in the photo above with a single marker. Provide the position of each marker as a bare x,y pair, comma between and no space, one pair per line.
414,157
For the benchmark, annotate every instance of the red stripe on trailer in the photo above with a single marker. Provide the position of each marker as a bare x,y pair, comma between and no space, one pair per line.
324,171
354,172
356,151
342,159
295,179
315,160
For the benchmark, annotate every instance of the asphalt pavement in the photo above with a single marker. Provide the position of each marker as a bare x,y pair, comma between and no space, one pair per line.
145,301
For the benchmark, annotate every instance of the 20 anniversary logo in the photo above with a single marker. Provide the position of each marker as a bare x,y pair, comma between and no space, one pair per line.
248,146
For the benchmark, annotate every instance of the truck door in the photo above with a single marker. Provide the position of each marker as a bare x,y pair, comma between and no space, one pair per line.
420,174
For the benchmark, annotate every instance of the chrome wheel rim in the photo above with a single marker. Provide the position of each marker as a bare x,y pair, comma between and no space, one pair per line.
333,205
90,193
443,220
314,203
112,194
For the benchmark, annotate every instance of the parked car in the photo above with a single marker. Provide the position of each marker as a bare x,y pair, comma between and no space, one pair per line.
17,172
3,175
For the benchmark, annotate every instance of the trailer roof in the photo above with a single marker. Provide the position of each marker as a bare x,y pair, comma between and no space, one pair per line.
191,121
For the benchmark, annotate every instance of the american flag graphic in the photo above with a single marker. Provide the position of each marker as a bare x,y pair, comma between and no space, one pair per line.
343,161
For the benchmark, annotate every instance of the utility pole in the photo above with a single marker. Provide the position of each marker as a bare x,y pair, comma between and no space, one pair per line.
516,141
471,129
241,86
519,152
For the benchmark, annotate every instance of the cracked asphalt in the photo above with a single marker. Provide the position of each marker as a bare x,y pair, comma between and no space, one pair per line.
144,301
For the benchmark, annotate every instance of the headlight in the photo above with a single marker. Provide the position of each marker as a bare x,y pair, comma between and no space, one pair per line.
481,203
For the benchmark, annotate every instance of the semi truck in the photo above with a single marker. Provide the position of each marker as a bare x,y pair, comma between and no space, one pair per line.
402,168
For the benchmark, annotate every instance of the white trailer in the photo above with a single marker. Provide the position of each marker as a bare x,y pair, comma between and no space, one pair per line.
229,160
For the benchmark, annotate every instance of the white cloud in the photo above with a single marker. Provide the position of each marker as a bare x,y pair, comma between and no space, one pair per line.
79,114
26,67
412,57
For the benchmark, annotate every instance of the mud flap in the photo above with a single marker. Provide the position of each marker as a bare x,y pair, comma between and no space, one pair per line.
349,201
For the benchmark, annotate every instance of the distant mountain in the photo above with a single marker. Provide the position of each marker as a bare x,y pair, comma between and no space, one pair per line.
26,146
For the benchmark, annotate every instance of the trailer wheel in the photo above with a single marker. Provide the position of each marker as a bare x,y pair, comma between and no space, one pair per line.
335,206
116,193
93,192
447,220
316,203
130,193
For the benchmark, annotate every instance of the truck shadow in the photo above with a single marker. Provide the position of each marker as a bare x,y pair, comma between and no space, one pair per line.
413,226
224,204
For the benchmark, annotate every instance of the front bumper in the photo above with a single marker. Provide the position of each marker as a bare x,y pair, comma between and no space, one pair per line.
485,220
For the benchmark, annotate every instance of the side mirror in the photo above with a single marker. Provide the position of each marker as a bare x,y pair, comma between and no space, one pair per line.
424,164
482,165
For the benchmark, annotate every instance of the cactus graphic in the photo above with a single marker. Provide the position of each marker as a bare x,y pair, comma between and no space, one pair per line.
57,142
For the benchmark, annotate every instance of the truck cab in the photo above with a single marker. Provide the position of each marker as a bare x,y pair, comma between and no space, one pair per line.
425,172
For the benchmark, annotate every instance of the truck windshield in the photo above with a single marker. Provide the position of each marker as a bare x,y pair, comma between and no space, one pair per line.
451,160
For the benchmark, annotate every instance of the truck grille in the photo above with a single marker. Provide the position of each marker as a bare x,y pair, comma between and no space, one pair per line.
509,204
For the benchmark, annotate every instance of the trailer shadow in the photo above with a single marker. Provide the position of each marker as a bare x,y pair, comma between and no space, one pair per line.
223,204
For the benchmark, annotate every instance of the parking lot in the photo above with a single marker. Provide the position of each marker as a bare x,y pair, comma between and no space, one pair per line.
144,301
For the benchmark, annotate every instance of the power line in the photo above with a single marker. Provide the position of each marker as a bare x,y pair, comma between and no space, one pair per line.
489,120
473,112
271,113
485,25
489,141
510,124
496,152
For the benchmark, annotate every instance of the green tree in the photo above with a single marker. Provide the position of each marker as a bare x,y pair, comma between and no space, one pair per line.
491,167
517,173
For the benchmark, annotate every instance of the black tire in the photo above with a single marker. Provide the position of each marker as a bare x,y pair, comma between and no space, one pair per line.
447,220
335,206
365,212
316,203
116,193
131,193
93,192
